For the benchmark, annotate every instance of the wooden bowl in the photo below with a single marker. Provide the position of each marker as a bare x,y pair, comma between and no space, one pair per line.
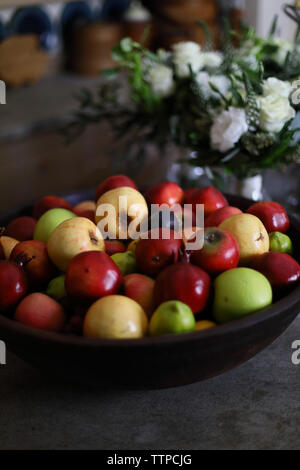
154,362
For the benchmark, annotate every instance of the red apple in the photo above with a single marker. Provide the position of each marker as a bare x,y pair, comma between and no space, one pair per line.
40,270
141,289
49,202
219,253
85,209
113,182
13,284
189,194
157,251
185,282
218,216
164,193
40,311
21,228
114,246
272,215
91,275
279,268
211,197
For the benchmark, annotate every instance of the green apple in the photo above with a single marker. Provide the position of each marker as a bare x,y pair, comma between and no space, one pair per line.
240,292
126,262
281,243
49,221
172,317
56,288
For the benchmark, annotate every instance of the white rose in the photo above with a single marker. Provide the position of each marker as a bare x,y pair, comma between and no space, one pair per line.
185,54
251,62
249,49
228,128
212,60
220,81
161,80
273,86
275,112
284,47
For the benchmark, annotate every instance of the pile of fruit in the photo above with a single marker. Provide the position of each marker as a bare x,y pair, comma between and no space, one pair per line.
58,273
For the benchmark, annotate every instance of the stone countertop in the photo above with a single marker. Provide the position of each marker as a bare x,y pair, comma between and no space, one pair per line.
255,406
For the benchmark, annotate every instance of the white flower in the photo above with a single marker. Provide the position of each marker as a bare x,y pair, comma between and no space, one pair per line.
249,49
251,62
284,47
185,54
275,112
278,87
161,80
220,81
212,60
164,55
228,128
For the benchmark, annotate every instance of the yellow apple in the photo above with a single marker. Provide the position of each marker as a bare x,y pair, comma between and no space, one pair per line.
8,244
205,325
118,208
115,317
72,237
132,245
192,234
251,235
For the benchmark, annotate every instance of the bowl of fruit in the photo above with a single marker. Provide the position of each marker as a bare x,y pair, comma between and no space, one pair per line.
147,311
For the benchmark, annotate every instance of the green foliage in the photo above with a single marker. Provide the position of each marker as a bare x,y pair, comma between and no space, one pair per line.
228,47
186,116
252,106
274,26
265,51
208,41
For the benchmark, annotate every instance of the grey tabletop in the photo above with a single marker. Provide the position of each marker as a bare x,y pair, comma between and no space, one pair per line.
255,406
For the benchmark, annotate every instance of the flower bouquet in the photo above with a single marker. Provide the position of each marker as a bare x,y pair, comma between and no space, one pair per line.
235,109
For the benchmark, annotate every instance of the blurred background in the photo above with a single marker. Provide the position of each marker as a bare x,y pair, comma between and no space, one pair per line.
49,50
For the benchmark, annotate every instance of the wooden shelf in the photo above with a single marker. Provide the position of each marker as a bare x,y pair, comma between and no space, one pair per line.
25,3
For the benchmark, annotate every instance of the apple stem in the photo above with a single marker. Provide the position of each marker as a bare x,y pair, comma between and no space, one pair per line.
93,238
184,256
22,259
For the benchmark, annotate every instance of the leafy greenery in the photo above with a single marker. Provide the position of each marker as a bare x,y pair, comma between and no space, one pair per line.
265,51
185,117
